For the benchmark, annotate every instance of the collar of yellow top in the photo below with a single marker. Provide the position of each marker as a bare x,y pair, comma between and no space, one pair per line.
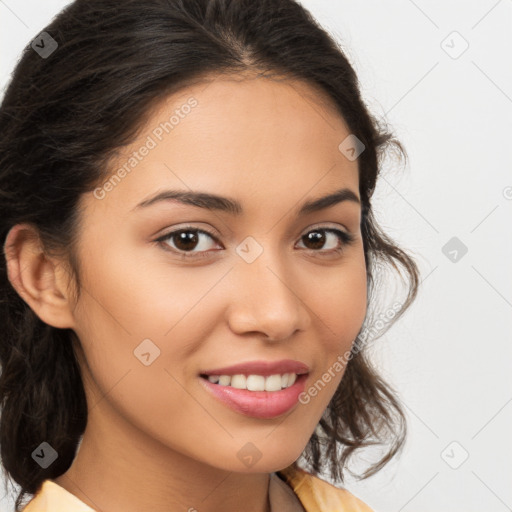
54,498
317,495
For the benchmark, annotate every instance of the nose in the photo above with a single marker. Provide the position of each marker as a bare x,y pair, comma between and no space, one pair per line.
267,298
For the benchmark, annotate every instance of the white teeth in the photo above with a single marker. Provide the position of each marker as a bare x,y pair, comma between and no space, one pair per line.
238,381
273,383
224,380
255,382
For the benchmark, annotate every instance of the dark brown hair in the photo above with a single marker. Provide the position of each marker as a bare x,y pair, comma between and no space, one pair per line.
61,120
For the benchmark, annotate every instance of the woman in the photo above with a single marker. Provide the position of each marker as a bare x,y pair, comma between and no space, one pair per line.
190,257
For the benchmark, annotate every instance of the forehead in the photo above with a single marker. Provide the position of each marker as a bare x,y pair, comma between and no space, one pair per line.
242,137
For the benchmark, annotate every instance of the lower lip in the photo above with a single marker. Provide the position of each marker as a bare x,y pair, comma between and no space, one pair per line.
258,404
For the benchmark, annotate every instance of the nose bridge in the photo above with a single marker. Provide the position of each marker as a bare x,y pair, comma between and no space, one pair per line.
265,299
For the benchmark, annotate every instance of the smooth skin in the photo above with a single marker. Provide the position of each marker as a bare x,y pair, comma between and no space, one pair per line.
155,438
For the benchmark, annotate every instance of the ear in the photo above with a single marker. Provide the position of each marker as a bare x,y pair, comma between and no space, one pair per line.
39,280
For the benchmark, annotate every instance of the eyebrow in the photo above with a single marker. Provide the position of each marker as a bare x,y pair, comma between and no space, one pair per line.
225,204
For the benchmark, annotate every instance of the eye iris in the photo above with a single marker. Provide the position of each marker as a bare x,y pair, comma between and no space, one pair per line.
317,237
185,237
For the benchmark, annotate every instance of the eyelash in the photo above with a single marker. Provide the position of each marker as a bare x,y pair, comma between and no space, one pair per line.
345,238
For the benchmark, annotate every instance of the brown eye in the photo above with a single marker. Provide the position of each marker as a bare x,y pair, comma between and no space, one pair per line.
317,238
185,240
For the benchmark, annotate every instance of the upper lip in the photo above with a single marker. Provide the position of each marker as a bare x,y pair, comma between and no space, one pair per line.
264,368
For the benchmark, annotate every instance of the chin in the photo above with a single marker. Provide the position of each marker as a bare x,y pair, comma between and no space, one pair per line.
262,456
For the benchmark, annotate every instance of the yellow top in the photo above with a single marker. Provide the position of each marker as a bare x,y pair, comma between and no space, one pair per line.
317,495
314,494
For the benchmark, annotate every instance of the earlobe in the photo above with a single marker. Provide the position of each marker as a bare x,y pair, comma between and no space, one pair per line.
39,280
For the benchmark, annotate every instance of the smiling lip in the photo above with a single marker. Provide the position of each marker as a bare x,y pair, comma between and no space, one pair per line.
258,404
264,368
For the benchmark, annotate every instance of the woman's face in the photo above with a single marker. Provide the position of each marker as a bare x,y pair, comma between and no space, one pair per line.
263,282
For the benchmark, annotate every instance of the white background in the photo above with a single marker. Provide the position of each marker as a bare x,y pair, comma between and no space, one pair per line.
450,356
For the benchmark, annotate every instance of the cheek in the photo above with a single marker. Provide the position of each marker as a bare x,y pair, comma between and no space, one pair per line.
341,305
146,396
141,298
131,313
341,312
